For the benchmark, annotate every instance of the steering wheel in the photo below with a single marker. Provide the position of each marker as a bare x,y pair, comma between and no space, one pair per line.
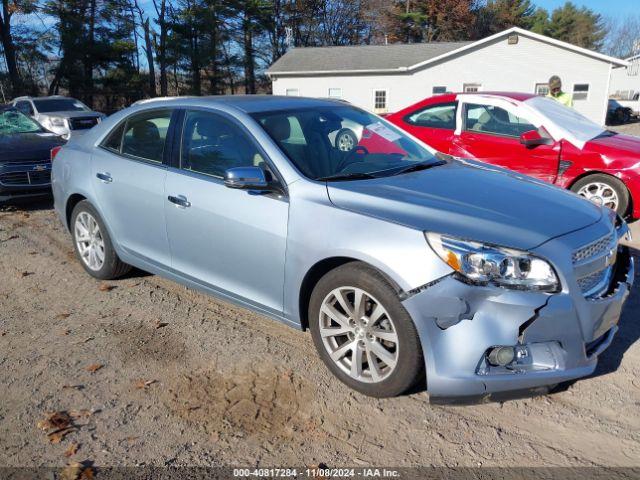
346,160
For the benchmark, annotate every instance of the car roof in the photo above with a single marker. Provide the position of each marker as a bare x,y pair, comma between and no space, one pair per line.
246,103
519,96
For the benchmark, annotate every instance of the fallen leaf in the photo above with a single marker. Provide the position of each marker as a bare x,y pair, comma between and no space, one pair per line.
142,384
25,274
58,435
94,367
132,439
63,333
2,334
72,450
12,237
63,315
160,324
77,471
77,387
33,253
25,215
56,420
105,287
80,413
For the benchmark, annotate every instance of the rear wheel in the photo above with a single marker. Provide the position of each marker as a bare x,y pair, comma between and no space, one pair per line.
604,190
363,333
93,245
346,140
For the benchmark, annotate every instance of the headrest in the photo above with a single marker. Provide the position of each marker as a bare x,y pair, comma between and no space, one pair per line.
146,131
278,127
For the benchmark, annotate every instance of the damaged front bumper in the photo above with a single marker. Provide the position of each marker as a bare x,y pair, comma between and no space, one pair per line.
554,337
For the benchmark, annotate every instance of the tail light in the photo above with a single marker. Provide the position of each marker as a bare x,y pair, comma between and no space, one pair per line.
54,152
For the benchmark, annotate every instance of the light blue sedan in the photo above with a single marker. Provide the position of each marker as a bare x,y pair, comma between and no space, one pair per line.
407,267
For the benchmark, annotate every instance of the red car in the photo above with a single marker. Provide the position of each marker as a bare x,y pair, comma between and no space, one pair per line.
533,135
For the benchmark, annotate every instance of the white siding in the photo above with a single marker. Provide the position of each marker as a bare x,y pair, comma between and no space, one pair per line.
496,67
625,79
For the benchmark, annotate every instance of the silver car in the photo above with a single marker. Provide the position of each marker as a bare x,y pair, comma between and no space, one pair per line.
61,115
407,267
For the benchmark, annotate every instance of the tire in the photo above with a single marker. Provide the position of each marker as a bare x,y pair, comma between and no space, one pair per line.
346,140
591,186
111,266
381,380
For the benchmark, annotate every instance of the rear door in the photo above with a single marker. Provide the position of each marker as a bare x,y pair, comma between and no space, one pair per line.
129,172
492,134
227,239
433,124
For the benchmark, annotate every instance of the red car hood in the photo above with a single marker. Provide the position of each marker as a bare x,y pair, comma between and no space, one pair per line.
616,144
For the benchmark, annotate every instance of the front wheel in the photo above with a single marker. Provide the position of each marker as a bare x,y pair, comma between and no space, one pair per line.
604,190
363,333
93,245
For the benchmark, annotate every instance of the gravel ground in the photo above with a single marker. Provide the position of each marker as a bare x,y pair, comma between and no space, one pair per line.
629,128
153,373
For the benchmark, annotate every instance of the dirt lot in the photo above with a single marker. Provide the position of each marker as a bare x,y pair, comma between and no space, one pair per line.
156,374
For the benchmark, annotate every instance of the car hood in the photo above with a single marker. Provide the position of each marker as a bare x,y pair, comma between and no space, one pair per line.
28,146
470,200
624,144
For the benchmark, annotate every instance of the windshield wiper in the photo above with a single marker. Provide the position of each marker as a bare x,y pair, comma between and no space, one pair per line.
419,166
347,176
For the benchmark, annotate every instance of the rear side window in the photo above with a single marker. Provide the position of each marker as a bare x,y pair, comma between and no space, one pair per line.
442,115
113,141
145,135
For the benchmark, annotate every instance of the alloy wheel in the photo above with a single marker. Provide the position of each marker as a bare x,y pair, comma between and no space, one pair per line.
600,194
345,142
359,334
89,241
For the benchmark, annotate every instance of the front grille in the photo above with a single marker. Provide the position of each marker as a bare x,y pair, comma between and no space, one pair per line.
42,177
593,249
14,178
595,255
592,280
82,123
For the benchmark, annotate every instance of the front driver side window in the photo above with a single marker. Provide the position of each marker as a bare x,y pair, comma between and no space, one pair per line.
212,144
494,120
145,135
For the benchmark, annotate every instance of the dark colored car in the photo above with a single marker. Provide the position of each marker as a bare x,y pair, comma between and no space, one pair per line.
25,162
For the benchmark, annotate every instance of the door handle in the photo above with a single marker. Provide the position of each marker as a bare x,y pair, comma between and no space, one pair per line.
104,177
179,200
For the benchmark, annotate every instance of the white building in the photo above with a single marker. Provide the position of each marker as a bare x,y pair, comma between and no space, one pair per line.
625,81
386,78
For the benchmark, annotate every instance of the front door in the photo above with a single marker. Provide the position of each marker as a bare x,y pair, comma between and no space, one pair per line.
231,240
492,134
128,172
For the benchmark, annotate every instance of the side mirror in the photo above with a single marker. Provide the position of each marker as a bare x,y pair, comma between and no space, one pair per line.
532,138
247,178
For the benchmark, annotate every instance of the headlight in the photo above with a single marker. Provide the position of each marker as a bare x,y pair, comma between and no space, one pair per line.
56,121
483,264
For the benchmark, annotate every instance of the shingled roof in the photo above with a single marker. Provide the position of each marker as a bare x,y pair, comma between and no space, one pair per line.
360,58
399,57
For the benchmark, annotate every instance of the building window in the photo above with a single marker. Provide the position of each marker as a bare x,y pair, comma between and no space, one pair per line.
335,93
580,91
542,89
292,92
471,87
437,90
380,101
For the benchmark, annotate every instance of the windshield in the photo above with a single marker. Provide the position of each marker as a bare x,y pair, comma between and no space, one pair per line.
13,122
59,105
565,122
342,142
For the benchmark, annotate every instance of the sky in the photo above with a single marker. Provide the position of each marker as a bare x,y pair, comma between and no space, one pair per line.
608,8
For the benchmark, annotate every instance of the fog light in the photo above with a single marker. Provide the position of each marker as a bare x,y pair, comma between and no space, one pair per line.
501,356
